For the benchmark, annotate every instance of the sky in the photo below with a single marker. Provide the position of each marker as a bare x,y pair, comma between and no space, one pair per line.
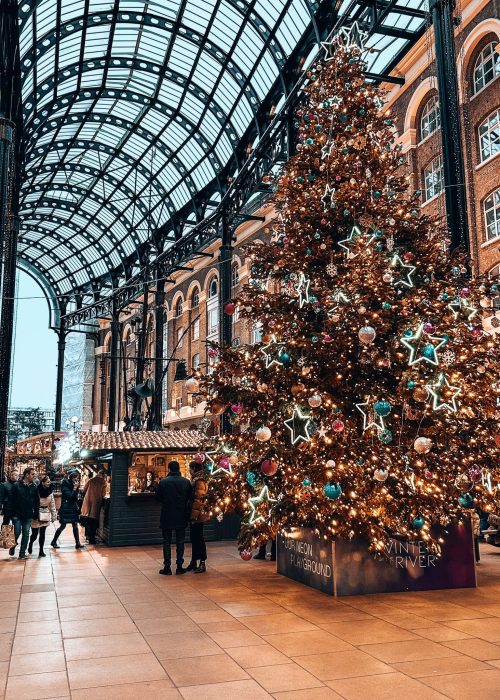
35,350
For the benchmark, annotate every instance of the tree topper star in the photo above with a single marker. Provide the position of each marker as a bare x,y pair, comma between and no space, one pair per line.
375,422
462,307
255,501
396,262
412,343
298,425
272,351
350,241
439,402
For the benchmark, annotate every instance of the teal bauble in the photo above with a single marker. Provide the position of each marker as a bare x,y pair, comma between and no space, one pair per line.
466,500
284,358
386,306
345,150
309,141
332,491
318,127
385,436
300,179
428,352
306,483
418,522
410,384
360,461
382,408
408,332
361,112
342,117
311,178
377,194
250,478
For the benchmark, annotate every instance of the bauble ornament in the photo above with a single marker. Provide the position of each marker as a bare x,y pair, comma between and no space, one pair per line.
380,474
314,401
367,335
192,385
422,445
246,555
269,467
263,433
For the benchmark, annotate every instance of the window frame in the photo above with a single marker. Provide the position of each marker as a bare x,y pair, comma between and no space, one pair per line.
213,282
195,330
235,275
426,113
491,126
179,338
178,309
495,208
487,53
430,170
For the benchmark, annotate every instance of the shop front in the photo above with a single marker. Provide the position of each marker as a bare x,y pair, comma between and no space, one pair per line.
134,463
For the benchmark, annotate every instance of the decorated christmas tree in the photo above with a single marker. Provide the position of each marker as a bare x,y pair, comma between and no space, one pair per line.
370,406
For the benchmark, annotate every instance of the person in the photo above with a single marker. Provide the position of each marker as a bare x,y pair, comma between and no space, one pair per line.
150,486
476,531
198,518
261,554
68,512
48,514
174,494
25,509
6,496
93,496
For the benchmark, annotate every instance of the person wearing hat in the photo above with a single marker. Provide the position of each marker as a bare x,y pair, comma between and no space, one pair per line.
69,511
174,492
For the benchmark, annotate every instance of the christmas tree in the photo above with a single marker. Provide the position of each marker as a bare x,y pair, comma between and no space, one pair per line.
370,407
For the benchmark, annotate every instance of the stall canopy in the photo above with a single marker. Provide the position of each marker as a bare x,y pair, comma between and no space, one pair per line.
141,440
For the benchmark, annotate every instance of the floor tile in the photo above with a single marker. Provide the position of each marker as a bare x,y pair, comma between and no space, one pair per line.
477,648
143,611
392,652
37,685
282,677
222,626
215,615
202,670
442,634
312,642
440,667
115,670
5,645
388,686
342,664
257,655
89,628
275,624
26,644
467,686
234,690
33,628
152,690
48,661
308,694
92,612
238,638
182,645
113,645
488,629
370,632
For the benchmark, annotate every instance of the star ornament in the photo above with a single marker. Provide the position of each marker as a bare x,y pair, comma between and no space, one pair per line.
299,425
426,352
370,418
443,394
462,307
405,272
272,351
328,197
303,289
256,501
348,243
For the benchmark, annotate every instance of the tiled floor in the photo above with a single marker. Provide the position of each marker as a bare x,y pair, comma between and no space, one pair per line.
101,624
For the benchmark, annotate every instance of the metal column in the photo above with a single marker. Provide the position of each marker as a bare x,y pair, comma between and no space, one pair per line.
225,265
453,165
155,416
61,347
113,366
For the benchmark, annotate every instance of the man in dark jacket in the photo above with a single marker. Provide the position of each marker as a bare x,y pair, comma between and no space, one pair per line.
174,494
6,496
25,508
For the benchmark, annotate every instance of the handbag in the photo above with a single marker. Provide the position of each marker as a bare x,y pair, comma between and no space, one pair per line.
44,516
7,537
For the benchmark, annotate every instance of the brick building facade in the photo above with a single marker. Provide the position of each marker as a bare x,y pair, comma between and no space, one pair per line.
192,306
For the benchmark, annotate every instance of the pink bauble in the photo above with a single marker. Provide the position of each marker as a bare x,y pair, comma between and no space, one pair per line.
229,308
236,408
338,425
328,338
269,467
246,555
476,333
224,463
199,457
464,293
428,327
428,474
212,352
323,222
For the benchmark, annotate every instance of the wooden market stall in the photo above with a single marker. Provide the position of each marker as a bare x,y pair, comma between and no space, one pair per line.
135,462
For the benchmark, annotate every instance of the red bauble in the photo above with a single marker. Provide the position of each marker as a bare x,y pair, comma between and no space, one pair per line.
497,440
229,308
246,555
269,467
338,425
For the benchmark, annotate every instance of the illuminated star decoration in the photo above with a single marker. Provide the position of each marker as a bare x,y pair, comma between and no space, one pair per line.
338,297
348,37
368,421
299,425
272,351
303,289
255,501
209,462
334,101
327,198
226,470
462,307
350,241
439,402
413,344
322,432
373,234
406,271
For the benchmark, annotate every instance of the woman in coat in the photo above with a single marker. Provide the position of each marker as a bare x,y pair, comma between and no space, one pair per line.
48,514
69,512
93,496
198,518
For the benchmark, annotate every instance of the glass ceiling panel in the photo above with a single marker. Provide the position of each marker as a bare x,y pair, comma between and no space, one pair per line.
133,105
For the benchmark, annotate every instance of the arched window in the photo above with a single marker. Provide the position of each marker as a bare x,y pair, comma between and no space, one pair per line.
180,337
433,178
235,275
213,289
430,119
178,308
489,135
486,68
195,298
494,274
492,215
196,362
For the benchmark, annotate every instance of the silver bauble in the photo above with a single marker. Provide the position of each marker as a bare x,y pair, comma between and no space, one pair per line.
367,335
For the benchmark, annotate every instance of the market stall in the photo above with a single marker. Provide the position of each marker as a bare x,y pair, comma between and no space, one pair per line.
134,463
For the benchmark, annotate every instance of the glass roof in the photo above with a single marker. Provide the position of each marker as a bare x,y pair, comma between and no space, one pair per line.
135,111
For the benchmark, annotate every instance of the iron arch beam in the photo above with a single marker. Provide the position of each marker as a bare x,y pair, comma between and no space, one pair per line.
45,250
47,288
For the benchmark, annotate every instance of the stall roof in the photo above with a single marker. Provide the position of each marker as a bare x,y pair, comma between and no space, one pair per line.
141,440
